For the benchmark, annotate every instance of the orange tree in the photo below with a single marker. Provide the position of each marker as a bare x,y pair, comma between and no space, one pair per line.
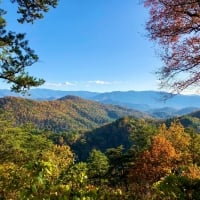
156,162
152,165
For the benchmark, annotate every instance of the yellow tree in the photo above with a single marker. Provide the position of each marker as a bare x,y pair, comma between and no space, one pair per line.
45,173
179,139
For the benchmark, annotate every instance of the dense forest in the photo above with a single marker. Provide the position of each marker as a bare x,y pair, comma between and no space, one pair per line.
64,114
129,158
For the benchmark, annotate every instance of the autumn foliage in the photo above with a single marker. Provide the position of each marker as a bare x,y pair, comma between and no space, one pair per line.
175,26
156,162
160,162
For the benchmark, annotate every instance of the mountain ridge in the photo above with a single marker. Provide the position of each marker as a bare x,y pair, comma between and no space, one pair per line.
64,114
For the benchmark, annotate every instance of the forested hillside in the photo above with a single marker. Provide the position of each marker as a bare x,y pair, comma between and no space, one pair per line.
128,159
113,135
191,120
68,113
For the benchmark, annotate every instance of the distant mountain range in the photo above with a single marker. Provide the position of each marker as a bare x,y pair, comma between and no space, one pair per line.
146,101
47,94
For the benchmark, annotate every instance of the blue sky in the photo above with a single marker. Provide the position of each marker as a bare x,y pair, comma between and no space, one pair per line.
94,45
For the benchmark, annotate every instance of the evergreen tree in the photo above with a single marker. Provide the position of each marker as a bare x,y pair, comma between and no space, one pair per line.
15,53
98,166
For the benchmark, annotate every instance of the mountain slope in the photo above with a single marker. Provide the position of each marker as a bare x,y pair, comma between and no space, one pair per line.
67,113
191,120
112,135
124,131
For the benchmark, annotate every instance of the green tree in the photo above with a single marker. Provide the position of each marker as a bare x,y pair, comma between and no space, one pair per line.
119,162
18,145
194,146
98,166
141,133
15,54
44,174
18,148
30,10
177,187
76,180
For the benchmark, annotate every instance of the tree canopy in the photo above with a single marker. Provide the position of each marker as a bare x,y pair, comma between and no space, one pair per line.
15,53
175,25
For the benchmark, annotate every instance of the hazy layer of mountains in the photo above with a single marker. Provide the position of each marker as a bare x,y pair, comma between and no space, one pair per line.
150,102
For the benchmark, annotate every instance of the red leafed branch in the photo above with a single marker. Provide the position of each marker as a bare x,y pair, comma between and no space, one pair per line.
175,25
